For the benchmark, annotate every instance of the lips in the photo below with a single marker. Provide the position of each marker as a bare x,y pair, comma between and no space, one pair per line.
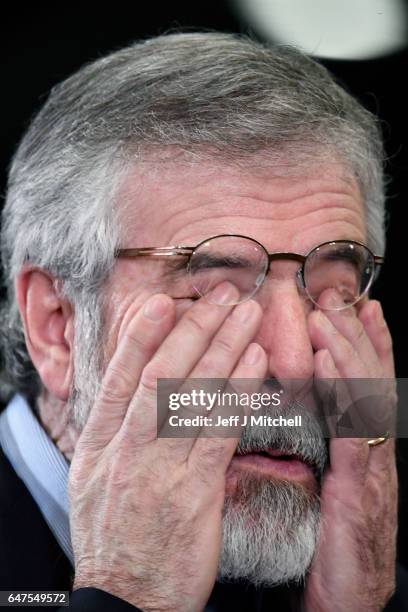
277,462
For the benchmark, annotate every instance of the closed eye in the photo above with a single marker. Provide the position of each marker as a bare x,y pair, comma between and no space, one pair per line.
205,261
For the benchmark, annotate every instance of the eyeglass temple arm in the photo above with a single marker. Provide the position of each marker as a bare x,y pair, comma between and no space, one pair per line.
187,251
155,252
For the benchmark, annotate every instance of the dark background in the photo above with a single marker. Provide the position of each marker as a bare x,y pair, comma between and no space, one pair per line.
41,45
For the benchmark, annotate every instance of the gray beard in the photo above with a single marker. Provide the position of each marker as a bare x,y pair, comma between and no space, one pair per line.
270,531
271,526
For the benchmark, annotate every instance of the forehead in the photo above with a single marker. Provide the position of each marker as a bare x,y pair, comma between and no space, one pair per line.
166,203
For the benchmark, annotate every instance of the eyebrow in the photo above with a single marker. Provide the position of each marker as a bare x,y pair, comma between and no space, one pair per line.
345,254
204,261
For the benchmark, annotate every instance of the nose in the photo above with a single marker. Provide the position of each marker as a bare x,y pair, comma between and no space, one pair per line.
284,331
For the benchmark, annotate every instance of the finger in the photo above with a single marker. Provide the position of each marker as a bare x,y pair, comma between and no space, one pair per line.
324,365
333,393
215,367
371,316
382,464
138,342
178,354
324,335
353,462
348,456
192,334
229,342
246,380
349,326
182,306
349,459
212,451
253,366
371,411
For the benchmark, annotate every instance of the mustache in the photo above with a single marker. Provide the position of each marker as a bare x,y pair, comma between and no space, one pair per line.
306,442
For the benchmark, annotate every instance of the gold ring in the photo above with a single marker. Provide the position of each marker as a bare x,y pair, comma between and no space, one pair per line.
378,441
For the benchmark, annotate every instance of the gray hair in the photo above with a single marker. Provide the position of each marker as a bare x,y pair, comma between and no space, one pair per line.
203,92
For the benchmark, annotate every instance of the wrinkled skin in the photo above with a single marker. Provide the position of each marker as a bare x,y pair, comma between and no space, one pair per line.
146,512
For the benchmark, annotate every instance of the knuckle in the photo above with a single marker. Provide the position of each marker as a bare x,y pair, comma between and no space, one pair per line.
359,330
204,476
208,365
212,455
150,374
223,344
140,344
194,323
118,472
148,380
116,387
203,471
347,353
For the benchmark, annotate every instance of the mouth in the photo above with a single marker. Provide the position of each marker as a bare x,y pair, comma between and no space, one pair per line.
277,463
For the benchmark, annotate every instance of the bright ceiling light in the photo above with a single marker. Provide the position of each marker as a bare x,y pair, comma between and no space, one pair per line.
343,29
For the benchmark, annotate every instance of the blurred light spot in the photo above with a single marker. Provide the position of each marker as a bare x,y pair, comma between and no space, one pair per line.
343,29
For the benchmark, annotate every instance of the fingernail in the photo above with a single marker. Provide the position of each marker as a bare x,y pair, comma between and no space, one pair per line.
334,300
252,355
156,307
226,293
243,312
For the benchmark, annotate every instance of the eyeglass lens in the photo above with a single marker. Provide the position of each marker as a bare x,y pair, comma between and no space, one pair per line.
344,266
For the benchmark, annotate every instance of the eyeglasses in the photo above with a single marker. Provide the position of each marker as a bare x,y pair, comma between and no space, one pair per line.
348,267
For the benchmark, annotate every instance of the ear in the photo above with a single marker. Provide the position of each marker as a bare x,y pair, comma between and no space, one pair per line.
48,322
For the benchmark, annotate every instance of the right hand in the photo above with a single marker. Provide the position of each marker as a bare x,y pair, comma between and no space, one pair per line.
146,512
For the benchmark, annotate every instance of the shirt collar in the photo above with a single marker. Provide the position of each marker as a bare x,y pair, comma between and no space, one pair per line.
40,465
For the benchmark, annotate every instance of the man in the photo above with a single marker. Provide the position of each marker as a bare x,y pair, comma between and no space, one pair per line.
216,142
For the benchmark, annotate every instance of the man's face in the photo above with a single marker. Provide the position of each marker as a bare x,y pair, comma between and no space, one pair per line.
168,204
179,203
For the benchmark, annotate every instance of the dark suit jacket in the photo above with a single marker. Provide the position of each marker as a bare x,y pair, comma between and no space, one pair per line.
31,559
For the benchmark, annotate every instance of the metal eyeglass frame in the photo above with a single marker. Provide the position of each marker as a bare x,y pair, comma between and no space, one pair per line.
188,251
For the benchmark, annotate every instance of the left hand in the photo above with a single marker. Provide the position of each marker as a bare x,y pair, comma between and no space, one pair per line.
354,564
